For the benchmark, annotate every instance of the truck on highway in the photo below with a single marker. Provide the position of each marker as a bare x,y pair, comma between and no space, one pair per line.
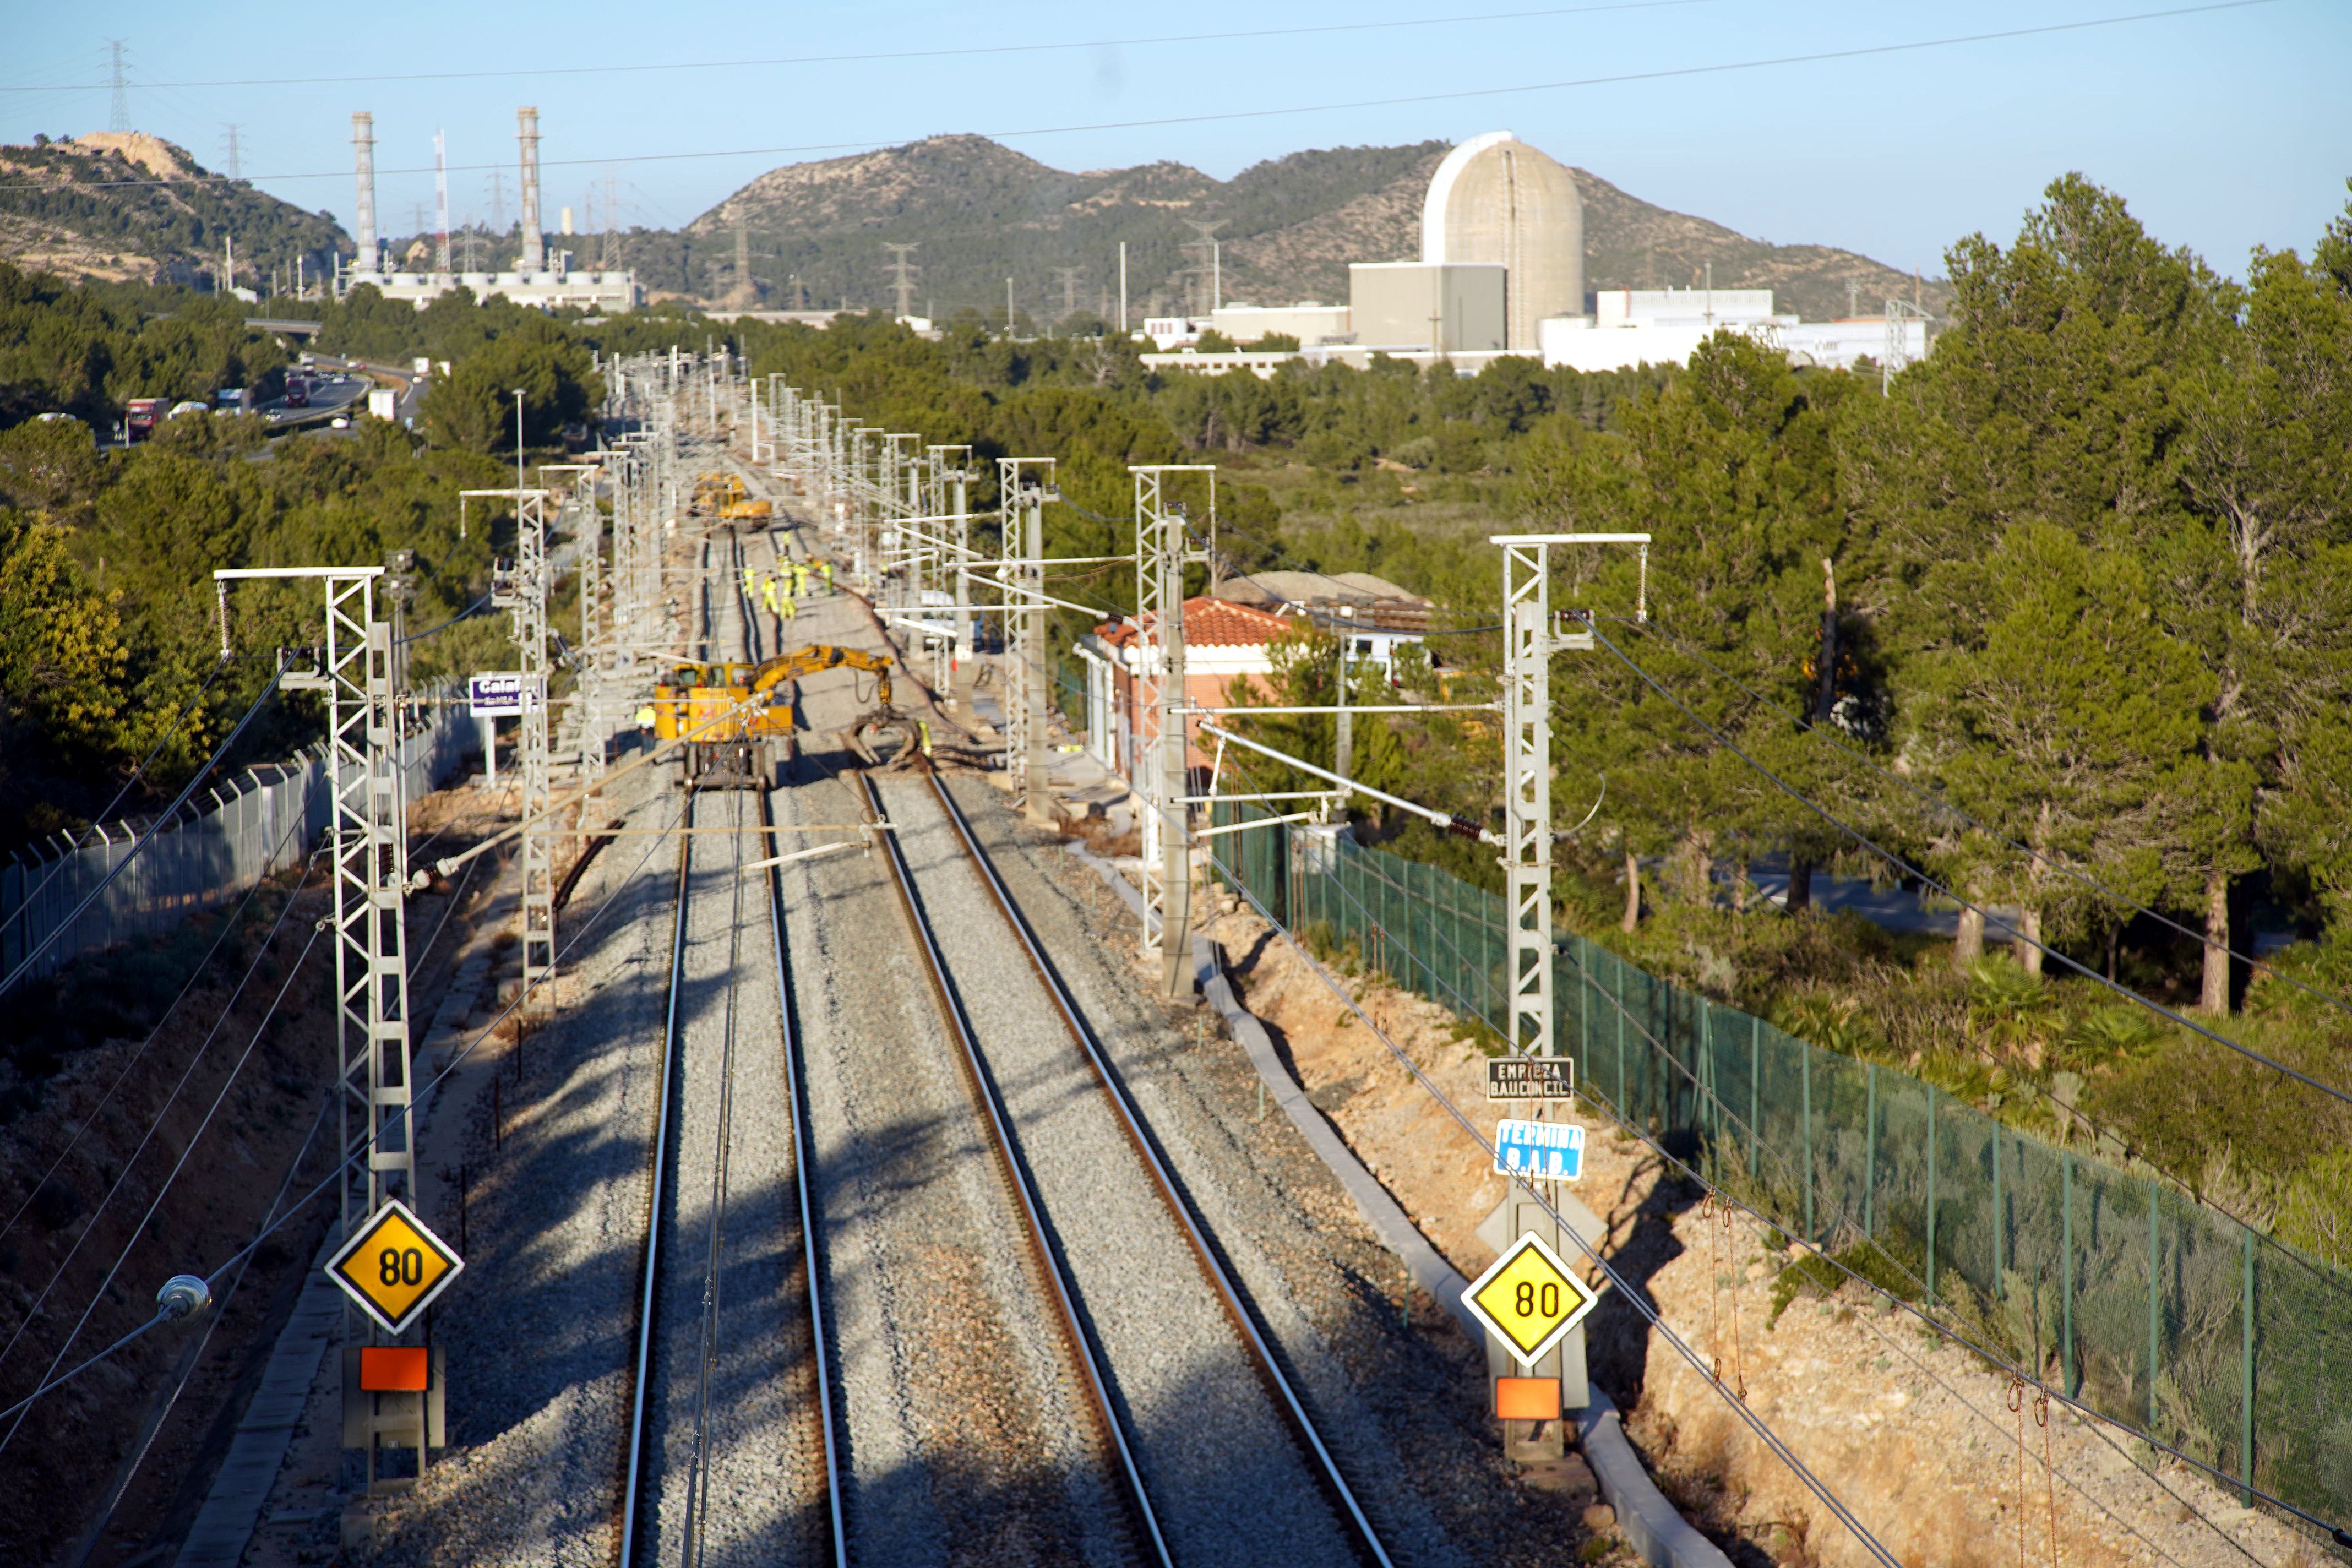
298,391
233,399
141,415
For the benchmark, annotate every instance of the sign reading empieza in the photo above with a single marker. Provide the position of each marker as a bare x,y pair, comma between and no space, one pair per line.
495,694
1532,1078
394,1266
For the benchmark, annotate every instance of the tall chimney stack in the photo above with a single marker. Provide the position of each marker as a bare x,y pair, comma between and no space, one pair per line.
364,146
534,243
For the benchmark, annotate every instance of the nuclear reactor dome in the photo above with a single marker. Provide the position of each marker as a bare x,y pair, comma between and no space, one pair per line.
1496,199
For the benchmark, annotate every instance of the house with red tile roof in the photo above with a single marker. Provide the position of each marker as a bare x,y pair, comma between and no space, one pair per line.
1227,650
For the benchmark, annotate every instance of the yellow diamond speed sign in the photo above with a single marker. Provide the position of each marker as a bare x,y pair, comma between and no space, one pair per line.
394,1266
1529,1299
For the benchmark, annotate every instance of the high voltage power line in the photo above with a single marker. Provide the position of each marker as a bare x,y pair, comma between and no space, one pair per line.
364,1148
889,55
1461,95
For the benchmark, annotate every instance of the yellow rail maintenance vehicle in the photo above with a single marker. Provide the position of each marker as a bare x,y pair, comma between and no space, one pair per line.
746,512
732,710
713,491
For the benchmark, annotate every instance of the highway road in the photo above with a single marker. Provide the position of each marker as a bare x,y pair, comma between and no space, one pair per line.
334,390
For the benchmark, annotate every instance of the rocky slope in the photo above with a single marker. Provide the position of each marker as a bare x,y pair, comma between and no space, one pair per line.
124,206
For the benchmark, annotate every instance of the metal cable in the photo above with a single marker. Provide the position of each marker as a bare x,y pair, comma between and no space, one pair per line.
194,974
2097,1421
178,1165
195,1057
105,1515
1648,1310
352,1157
445,626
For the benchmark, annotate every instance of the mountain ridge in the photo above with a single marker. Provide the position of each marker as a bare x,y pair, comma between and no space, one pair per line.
1290,226
132,207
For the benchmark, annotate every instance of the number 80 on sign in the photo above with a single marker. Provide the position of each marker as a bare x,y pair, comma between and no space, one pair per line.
1529,1299
394,1266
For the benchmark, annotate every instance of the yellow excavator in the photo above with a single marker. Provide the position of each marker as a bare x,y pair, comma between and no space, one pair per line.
733,709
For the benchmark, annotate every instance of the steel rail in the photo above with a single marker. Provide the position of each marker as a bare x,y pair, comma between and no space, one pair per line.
796,1104
632,1477
803,1158
1325,1466
998,1117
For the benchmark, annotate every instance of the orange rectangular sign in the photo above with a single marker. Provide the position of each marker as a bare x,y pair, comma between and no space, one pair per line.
1526,1398
406,1369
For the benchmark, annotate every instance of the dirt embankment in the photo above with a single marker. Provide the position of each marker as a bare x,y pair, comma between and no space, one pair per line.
1917,1438
225,1093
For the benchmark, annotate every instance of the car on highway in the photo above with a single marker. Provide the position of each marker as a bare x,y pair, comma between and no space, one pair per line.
339,423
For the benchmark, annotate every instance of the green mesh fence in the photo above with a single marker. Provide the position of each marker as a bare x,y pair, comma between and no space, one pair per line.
2161,1314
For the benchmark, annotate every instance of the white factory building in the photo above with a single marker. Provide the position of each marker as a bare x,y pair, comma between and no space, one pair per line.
543,276
1501,271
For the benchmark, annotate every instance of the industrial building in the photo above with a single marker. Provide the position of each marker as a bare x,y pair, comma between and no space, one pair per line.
541,276
1501,271
1496,201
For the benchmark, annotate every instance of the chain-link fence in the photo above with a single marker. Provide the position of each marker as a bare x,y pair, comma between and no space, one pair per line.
2164,1315
226,838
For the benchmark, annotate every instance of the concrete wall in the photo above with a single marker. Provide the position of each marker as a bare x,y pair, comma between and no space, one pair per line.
1391,304
1309,323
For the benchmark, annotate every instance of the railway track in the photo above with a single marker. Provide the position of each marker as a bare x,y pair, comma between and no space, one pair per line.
1017,1371
1315,1455
695,1430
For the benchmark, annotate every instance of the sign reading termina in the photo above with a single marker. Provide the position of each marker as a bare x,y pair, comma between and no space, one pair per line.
1532,1078
493,694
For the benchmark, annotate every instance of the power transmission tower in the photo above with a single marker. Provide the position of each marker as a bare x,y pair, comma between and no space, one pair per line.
1021,566
1162,553
1069,276
1900,314
358,672
498,202
903,274
746,293
230,134
1202,248
118,116
612,220
522,589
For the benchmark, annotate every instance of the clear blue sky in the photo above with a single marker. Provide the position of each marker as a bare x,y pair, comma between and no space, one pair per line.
2223,129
